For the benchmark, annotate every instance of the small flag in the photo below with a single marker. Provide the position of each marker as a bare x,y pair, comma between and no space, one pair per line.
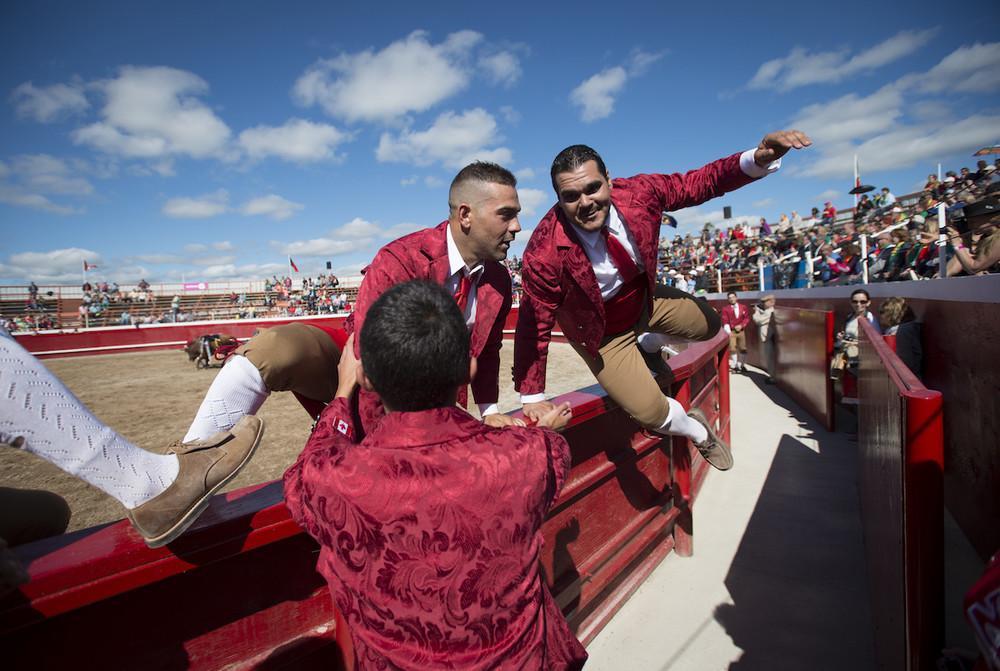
89,266
292,264
667,220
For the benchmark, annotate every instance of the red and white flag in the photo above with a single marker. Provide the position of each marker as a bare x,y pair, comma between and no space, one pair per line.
292,264
89,266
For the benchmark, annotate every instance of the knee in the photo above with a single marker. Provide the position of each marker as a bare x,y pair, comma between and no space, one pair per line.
651,412
276,352
713,321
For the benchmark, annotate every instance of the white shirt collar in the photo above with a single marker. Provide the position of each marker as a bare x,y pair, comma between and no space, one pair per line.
456,263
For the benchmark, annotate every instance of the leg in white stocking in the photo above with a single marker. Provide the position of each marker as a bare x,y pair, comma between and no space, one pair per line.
237,390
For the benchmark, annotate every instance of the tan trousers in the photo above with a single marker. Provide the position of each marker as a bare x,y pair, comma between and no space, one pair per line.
737,342
620,367
295,357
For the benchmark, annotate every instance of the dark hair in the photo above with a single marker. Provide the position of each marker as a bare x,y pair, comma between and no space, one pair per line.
415,347
861,291
480,171
572,158
733,293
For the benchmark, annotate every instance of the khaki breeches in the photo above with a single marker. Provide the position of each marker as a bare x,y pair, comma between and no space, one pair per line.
295,357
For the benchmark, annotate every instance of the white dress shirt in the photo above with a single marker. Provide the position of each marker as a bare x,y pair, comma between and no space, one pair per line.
457,267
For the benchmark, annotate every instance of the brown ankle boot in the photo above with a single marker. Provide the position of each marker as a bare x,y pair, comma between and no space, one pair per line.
205,466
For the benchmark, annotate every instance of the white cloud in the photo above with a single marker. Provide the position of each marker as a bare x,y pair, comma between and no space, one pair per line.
219,260
159,259
297,140
852,116
223,246
532,199
409,75
322,247
525,173
30,180
154,112
409,181
271,205
969,69
202,207
357,228
399,230
802,67
502,68
453,140
49,103
57,265
829,194
640,61
432,182
509,114
596,95
195,248
763,202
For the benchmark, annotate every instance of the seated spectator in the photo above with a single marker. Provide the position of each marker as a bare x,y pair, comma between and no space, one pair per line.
864,208
481,494
898,320
983,251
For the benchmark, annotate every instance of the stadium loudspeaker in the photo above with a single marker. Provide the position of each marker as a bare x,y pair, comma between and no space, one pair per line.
727,212
329,265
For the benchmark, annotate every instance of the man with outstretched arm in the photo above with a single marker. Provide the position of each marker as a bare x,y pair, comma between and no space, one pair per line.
590,266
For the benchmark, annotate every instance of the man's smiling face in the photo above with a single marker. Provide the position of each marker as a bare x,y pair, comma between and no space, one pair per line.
584,196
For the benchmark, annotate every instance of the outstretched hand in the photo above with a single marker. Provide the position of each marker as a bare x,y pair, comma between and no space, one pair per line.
347,370
775,145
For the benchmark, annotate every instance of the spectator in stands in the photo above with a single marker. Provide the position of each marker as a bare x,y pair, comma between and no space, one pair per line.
897,319
829,213
175,307
864,207
983,220
735,319
765,228
763,317
465,476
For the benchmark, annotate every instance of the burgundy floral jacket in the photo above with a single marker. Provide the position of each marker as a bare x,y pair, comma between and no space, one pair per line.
429,533
557,278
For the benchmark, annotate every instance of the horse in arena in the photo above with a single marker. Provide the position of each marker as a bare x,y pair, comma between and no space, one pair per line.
209,348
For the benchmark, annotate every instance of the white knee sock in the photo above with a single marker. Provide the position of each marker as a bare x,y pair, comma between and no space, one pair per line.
39,414
732,359
679,424
237,390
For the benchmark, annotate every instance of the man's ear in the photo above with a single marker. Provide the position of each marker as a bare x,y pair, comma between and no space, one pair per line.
473,367
363,380
465,217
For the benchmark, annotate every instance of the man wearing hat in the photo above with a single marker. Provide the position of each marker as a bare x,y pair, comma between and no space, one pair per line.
589,266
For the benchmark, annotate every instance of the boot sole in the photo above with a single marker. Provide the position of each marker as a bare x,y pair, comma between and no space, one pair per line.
198,508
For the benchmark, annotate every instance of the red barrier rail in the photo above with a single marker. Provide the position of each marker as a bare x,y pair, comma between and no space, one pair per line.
211,599
902,503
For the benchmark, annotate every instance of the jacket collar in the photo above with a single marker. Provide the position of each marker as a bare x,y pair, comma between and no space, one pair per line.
423,427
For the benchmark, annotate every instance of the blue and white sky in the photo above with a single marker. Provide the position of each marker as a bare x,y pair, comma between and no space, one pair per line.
209,141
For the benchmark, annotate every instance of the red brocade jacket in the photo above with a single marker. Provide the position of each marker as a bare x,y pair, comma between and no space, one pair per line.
557,279
429,530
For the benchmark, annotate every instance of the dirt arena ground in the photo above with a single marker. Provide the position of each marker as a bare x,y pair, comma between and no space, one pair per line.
151,397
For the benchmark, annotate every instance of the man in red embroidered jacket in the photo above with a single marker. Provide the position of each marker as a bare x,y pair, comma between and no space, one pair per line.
735,319
590,265
429,527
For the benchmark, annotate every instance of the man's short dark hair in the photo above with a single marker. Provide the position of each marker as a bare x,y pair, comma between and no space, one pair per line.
861,291
480,171
732,293
573,157
415,347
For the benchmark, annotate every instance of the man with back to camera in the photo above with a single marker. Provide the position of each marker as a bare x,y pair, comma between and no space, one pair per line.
429,527
590,266
735,319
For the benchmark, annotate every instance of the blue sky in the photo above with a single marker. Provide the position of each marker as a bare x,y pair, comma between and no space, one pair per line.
209,141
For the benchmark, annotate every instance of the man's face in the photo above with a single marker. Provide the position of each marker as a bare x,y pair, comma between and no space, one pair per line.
492,221
731,298
860,304
584,196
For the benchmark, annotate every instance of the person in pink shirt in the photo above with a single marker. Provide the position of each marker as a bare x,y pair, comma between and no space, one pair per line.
429,527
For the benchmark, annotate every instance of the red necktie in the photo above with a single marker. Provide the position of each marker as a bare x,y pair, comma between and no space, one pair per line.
462,292
623,262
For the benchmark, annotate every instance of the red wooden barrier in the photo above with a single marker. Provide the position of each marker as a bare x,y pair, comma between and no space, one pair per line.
901,488
239,589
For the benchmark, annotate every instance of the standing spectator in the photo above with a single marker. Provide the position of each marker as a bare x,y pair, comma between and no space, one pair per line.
735,319
898,320
796,220
765,228
829,213
763,317
175,307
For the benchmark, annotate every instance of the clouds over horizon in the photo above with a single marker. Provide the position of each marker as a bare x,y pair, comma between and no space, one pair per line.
217,202
453,140
596,95
887,129
802,67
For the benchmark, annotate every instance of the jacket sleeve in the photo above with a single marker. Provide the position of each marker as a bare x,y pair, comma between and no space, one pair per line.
677,191
303,482
486,385
386,270
541,296
559,465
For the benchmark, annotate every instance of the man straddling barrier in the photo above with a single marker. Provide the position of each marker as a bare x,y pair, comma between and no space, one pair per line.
166,493
430,527
590,265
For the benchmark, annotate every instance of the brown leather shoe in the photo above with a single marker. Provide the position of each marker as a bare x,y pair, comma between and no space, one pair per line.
715,450
205,466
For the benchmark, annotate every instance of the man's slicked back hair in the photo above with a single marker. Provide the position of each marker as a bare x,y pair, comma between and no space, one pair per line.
480,171
573,157
415,346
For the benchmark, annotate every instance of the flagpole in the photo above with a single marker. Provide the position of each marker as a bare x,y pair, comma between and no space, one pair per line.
857,181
